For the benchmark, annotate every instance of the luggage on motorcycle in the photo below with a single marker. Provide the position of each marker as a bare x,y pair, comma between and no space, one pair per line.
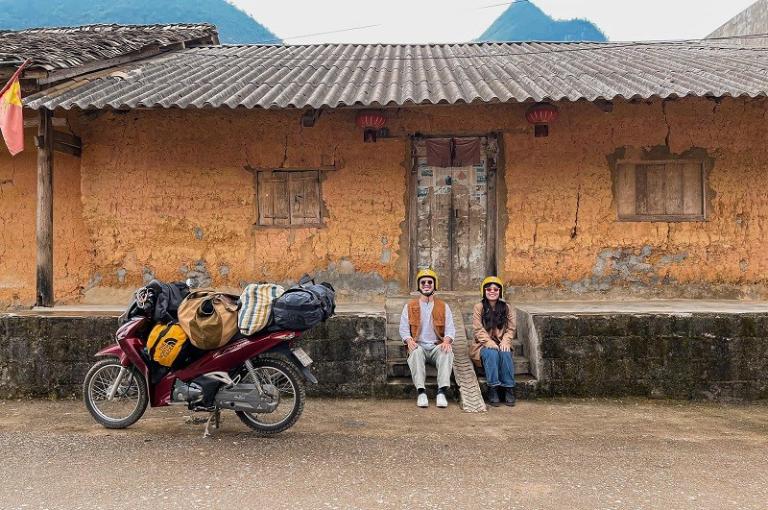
209,318
169,346
326,293
157,301
168,297
303,306
256,306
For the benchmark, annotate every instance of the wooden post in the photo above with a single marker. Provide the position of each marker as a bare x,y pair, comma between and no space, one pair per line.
45,209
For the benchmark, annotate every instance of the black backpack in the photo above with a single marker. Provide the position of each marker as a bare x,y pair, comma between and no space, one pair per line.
168,297
157,301
303,306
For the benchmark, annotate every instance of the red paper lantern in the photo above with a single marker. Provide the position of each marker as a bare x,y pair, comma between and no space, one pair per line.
541,115
371,119
372,122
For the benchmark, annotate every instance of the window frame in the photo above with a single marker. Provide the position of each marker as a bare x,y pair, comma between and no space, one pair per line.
318,178
669,218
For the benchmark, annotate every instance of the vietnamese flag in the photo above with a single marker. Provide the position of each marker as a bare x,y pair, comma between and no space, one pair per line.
11,118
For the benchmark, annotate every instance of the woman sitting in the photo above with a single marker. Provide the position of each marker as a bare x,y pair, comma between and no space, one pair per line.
493,322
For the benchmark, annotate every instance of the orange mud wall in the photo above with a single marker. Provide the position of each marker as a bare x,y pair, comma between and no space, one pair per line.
18,203
562,232
171,194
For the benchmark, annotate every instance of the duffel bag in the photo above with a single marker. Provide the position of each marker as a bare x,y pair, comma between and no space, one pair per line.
303,307
168,345
327,296
209,318
256,306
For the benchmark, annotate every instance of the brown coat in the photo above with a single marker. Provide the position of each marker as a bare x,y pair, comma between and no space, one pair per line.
484,338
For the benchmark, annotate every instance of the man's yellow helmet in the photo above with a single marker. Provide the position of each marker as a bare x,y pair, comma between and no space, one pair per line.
489,280
427,272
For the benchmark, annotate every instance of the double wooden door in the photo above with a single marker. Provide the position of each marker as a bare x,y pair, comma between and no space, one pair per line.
452,210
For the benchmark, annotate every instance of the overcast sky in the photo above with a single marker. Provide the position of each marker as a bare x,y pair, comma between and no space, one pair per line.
420,21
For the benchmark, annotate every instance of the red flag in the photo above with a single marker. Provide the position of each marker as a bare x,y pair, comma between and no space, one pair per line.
11,118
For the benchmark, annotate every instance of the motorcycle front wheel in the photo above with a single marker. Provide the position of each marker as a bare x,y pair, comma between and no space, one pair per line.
129,400
284,376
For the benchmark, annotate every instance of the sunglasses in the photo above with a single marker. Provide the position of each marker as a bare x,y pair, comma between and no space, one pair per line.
426,282
491,288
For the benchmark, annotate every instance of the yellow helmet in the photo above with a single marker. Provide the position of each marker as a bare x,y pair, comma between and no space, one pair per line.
427,271
489,280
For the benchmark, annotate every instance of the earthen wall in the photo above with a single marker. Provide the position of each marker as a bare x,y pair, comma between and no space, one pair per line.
171,194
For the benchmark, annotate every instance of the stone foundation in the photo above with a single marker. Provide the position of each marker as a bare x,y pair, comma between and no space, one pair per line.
48,357
687,356
666,355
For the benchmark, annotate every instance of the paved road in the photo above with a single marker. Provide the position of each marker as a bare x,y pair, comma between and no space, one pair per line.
581,454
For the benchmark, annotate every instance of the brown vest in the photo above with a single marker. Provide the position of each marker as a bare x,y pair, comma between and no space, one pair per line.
438,318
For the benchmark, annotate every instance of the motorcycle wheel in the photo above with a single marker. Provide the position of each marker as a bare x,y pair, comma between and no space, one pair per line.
286,378
129,402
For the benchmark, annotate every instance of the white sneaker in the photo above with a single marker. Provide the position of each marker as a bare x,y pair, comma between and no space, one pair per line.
441,401
422,401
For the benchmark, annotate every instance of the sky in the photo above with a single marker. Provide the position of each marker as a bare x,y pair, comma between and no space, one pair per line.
423,21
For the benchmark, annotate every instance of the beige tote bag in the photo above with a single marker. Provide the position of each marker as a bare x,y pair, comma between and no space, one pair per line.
209,318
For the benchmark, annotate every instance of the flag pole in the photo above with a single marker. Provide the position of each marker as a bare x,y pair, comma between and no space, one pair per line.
15,75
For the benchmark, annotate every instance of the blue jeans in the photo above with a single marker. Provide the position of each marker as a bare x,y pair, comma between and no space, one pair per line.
499,368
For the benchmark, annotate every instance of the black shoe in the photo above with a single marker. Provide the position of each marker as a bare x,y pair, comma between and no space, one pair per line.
509,397
493,397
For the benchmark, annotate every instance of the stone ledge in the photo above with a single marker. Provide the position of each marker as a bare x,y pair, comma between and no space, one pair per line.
692,356
48,356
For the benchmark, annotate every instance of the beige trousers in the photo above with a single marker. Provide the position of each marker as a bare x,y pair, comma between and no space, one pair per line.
442,360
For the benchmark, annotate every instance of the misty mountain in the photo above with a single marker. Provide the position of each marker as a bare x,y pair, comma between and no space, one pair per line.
235,26
523,21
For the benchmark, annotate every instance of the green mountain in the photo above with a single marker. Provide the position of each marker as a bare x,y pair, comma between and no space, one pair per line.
523,21
234,25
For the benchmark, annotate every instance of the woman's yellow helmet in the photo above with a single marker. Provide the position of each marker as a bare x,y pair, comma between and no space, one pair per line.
426,272
489,280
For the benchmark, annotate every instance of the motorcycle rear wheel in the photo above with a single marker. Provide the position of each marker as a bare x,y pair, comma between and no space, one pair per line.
126,406
286,378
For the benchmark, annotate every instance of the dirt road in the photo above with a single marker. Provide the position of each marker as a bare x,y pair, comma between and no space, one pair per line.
581,454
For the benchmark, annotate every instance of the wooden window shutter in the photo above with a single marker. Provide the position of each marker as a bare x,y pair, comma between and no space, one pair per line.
304,192
693,188
273,198
626,197
660,190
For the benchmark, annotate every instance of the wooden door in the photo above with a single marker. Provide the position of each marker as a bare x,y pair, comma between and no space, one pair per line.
452,219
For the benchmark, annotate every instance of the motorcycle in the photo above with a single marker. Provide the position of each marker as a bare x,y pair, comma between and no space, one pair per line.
260,378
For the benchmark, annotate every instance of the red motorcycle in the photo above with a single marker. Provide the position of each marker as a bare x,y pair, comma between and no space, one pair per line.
260,377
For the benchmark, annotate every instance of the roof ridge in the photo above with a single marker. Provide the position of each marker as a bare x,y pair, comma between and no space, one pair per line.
104,27
431,44
656,43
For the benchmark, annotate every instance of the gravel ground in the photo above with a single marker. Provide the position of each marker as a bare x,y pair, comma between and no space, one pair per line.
570,454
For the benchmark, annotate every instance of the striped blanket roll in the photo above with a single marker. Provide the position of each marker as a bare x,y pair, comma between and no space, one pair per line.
256,306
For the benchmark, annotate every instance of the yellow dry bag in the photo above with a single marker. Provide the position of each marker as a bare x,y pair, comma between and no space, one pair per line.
166,342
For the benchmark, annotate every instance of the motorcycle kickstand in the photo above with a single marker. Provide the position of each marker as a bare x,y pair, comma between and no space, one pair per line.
215,418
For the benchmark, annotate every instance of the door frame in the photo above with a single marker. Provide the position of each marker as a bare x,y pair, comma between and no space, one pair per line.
493,164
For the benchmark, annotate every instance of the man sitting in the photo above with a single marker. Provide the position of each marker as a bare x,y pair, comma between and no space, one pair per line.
426,327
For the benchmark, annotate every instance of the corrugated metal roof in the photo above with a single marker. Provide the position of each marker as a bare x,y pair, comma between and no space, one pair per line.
67,47
333,75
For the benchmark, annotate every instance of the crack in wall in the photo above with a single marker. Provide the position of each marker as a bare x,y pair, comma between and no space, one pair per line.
666,121
285,152
574,230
